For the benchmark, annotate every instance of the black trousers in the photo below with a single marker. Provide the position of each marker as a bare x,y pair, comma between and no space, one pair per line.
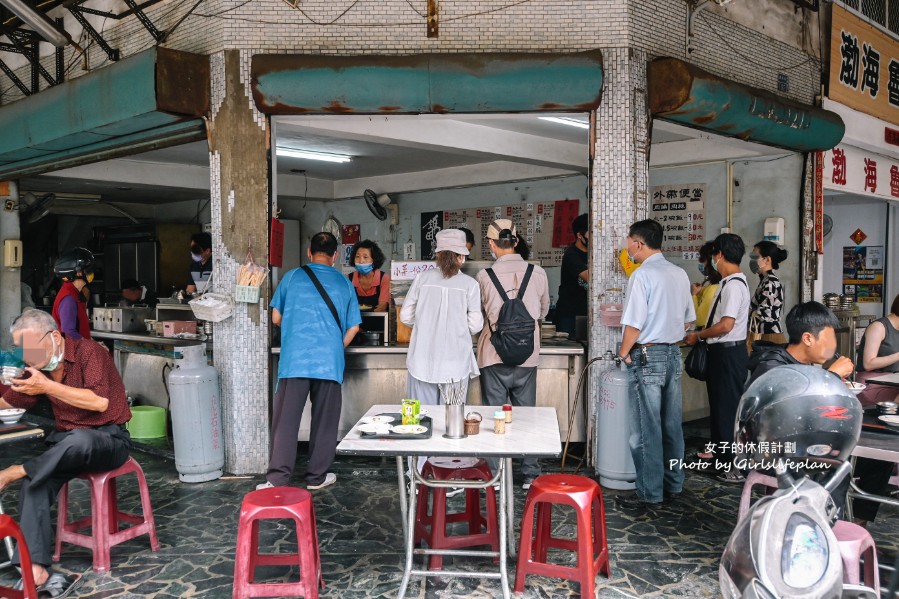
517,385
290,400
873,477
71,453
726,376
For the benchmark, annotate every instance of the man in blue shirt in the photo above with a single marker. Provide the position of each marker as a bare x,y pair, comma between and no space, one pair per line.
313,338
657,308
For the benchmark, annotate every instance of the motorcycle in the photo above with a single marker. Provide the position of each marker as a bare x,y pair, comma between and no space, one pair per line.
801,422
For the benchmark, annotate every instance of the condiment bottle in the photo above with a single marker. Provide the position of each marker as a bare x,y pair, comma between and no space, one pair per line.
499,422
507,409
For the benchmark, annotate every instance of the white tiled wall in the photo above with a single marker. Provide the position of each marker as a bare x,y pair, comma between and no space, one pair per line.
241,341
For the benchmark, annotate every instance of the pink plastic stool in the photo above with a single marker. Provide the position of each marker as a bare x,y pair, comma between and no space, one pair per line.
9,528
855,542
482,530
585,496
274,503
105,516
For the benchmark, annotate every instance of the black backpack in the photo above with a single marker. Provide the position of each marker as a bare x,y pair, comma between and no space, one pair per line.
513,332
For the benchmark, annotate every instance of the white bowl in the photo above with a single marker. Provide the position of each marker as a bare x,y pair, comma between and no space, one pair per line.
11,416
856,387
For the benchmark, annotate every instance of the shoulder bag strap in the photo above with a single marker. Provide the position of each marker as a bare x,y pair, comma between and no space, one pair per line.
524,282
324,295
496,283
718,299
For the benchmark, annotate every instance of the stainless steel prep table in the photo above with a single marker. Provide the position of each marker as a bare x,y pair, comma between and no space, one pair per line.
377,375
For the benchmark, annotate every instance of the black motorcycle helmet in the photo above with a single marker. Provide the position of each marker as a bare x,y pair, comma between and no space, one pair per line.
76,263
797,412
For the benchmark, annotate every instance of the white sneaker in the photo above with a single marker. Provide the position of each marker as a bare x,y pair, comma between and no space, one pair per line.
455,491
265,485
330,479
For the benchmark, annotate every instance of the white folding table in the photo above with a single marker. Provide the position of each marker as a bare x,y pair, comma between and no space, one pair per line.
534,432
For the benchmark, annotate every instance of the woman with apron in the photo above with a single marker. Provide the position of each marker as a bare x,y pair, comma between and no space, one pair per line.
371,284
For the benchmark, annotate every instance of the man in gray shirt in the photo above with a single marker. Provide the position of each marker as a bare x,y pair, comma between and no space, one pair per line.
502,383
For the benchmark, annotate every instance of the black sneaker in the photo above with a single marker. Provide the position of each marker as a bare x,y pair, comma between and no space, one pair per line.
632,501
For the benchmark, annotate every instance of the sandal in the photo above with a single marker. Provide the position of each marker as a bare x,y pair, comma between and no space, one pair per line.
734,477
705,456
58,586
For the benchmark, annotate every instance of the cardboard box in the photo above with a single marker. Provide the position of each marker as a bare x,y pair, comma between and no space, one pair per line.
170,328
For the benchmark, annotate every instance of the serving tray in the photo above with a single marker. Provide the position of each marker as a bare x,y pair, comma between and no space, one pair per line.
871,423
425,421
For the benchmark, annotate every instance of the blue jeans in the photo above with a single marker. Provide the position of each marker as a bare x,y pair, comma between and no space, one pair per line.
656,413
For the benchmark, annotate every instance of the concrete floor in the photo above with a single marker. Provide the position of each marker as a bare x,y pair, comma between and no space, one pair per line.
671,553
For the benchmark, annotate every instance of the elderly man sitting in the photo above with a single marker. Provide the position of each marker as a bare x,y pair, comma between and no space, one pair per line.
87,396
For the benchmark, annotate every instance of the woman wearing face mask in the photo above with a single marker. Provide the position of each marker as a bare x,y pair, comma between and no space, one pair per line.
372,286
768,300
76,269
704,291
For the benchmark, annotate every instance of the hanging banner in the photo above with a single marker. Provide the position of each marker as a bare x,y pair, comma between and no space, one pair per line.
680,209
851,170
431,224
863,273
864,66
819,202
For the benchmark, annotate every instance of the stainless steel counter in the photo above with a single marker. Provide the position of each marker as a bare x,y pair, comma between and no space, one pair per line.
143,359
377,375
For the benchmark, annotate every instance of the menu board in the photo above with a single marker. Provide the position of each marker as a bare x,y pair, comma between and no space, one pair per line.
680,209
534,222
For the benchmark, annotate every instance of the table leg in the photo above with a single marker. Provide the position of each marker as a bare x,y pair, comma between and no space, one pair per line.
401,478
848,498
510,505
505,490
409,525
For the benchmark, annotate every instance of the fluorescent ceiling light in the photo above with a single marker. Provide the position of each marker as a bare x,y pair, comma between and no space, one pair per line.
310,155
564,120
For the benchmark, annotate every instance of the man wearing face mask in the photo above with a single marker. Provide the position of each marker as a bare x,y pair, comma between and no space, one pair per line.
657,309
575,276
726,338
87,396
201,262
76,269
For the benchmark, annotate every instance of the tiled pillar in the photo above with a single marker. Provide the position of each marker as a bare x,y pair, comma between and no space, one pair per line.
809,269
238,137
620,186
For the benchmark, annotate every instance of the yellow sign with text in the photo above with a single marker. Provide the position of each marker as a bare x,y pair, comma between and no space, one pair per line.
864,67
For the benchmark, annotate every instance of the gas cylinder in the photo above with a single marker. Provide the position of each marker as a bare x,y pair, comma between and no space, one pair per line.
613,461
196,416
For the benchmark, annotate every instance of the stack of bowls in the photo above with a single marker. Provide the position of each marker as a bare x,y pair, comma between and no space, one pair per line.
887,408
832,301
547,331
7,373
847,302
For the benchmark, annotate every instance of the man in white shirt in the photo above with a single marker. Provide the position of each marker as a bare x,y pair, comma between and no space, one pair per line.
658,307
726,337
502,383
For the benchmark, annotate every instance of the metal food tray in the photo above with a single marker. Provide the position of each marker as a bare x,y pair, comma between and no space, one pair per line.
871,424
398,418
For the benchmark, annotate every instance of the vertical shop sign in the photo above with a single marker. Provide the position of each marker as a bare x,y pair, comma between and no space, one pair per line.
680,209
566,212
431,224
863,273
819,202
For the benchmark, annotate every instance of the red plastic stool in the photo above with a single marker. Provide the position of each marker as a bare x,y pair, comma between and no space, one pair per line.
431,527
105,516
9,528
274,503
585,496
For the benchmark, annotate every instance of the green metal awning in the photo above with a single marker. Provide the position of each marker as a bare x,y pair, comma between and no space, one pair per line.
683,93
150,100
427,83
